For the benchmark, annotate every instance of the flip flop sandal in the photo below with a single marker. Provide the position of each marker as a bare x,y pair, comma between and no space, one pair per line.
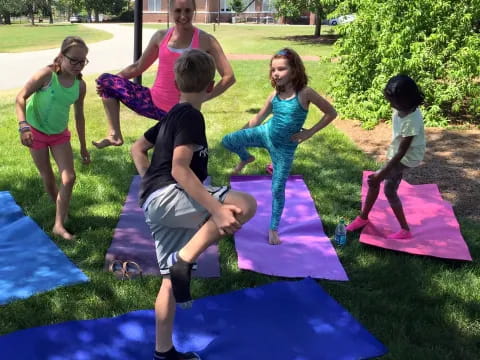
132,270
116,267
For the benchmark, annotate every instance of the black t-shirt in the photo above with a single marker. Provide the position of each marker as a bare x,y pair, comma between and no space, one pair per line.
183,125
152,133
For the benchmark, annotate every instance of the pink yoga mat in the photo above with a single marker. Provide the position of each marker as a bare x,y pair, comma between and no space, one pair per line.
133,241
435,229
305,249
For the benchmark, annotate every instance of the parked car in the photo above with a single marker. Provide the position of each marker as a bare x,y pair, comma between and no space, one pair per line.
343,19
74,19
78,19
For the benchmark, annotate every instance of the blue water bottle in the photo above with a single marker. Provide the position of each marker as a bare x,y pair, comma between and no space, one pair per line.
341,233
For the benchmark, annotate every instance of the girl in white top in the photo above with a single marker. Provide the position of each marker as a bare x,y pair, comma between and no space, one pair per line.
407,150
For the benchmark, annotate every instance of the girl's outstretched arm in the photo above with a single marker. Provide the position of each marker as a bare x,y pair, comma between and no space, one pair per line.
307,96
80,122
262,114
39,79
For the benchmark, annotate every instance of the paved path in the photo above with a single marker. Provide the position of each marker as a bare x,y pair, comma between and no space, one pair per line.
104,56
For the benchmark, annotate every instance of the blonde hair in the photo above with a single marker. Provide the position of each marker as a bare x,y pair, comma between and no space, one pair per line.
194,71
67,43
299,77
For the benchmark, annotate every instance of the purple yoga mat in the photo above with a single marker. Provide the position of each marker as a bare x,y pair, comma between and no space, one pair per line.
305,249
133,241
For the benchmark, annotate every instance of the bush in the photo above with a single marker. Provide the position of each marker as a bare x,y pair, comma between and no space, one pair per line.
126,16
433,41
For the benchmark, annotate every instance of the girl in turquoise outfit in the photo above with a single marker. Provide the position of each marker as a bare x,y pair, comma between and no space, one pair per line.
43,108
281,135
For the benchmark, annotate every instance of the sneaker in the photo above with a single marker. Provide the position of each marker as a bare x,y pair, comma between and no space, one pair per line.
357,224
173,354
188,356
402,234
180,275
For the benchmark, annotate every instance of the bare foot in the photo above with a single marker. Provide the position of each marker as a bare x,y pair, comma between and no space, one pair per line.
111,140
273,238
237,169
62,232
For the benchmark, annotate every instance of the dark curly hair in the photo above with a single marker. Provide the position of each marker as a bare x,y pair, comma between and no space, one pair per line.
403,93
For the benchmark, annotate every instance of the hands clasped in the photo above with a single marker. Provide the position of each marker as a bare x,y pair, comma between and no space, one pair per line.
226,219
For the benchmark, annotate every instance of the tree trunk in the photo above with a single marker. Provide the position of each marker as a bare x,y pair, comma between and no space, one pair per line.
318,24
32,13
50,14
8,20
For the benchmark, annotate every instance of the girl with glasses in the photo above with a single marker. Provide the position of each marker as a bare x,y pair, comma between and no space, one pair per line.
43,108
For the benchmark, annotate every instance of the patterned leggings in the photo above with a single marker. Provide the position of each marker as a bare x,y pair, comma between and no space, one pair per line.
282,158
134,96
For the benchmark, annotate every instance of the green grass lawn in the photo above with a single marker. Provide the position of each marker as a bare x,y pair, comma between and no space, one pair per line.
419,307
264,39
25,37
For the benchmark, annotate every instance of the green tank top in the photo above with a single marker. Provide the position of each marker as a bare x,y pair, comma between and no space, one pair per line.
48,109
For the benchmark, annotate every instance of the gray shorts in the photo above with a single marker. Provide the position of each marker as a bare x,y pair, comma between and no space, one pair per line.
174,217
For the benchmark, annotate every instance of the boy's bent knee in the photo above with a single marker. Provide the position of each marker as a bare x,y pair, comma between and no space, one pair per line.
249,207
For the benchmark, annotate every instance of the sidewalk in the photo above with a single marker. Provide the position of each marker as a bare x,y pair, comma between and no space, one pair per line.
104,56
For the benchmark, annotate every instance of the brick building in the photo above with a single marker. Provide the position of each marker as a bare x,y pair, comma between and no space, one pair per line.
208,11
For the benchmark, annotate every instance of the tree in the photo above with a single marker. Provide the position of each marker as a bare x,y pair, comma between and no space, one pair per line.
434,41
104,6
295,8
8,8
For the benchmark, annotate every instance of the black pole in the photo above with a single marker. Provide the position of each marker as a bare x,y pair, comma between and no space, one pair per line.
137,42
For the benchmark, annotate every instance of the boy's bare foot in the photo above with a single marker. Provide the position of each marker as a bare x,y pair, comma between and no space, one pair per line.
273,238
237,169
110,140
62,232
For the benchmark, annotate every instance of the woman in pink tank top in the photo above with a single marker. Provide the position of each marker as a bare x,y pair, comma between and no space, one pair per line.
155,102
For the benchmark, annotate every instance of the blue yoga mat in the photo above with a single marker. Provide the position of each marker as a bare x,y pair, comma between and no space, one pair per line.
281,321
9,210
30,262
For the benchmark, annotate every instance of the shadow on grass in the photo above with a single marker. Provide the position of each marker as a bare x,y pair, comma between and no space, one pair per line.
308,39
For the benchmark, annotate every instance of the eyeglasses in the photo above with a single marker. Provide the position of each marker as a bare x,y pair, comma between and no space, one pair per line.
74,62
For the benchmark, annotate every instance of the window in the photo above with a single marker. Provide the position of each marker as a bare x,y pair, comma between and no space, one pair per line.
225,5
268,6
251,7
154,5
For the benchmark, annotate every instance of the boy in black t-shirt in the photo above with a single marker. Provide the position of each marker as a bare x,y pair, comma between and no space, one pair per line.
185,216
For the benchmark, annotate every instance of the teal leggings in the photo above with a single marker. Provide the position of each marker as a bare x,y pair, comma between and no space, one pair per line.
282,158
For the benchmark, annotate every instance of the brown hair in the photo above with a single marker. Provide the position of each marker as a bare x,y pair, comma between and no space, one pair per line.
194,71
299,77
67,44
